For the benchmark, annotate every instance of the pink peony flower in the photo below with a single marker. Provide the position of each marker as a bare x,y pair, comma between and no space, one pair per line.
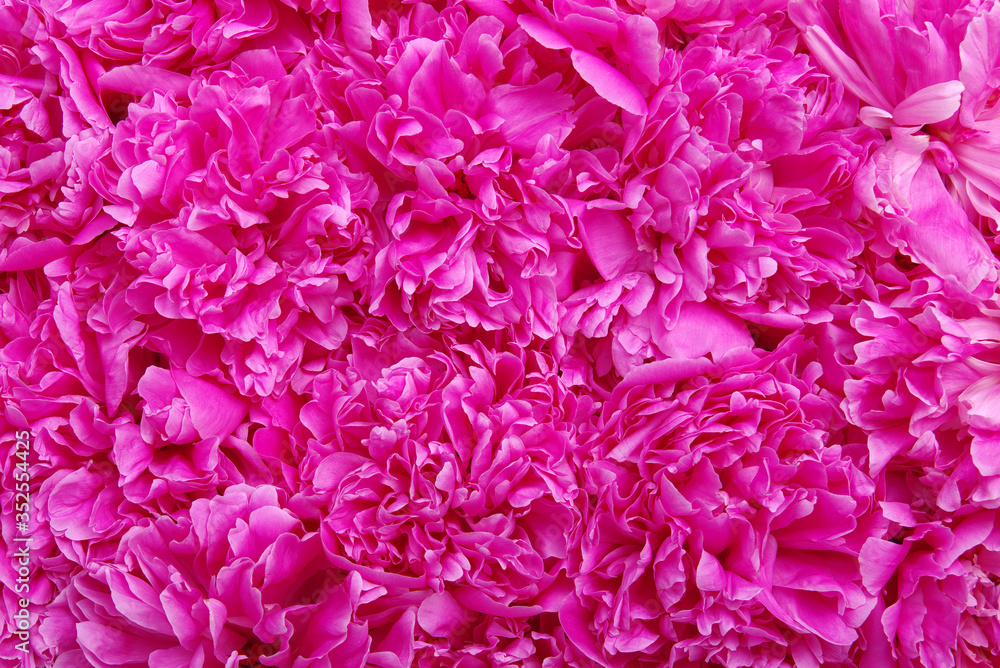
924,393
179,36
716,209
942,114
493,333
236,578
449,469
729,519
939,605
255,241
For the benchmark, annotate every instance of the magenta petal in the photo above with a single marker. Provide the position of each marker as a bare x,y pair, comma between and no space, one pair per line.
480,601
611,244
543,33
174,657
836,61
214,412
24,254
532,112
979,51
981,403
116,647
985,451
357,24
703,328
440,614
609,83
141,79
941,235
575,621
710,575
663,371
396,650
879,561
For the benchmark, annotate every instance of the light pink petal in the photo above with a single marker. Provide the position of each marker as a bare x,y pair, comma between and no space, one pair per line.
909,139
932,104
875,117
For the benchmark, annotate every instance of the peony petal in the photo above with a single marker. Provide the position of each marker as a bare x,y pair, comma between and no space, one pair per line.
985,451
609,83
115,647
357,24
879,560
215,412
140,79
703,328
441,615
543,33
611,244
24,254
940,234
838,63
932,104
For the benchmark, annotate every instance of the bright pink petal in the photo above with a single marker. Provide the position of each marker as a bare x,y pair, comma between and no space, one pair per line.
609,83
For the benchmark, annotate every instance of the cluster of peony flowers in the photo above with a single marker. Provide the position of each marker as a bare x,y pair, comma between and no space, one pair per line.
496,333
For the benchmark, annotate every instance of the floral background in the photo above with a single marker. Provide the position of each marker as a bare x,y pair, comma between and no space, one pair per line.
489,333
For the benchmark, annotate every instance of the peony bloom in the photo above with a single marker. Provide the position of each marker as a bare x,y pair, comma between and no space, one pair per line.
939,120
178,36
729,519
938,603
190,440
925,369
47,149
180,408
235,578
467,151
718,208
450,470
50,394
254,239
490,333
